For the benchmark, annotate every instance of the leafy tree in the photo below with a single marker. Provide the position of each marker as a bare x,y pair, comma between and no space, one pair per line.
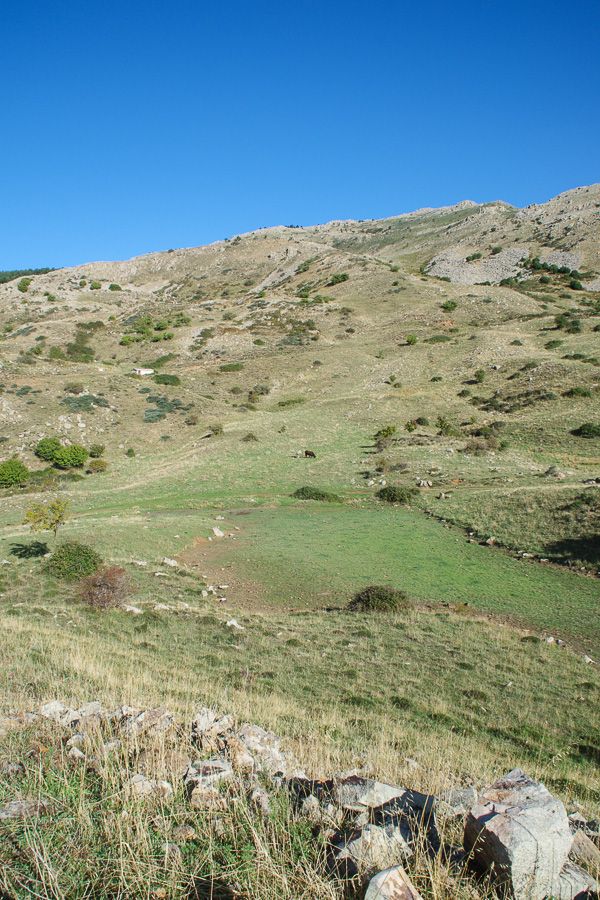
47,516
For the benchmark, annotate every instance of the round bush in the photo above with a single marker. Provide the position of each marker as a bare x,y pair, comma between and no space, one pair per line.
13,473
313,493
73,560
379,598
587,430
95,466
72,457
47,447
394,494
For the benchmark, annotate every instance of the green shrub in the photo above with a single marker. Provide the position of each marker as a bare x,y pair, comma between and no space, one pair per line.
587,430
163,378
72,560
379,598
23,285
338,279
313,493
115,287
479,376
411,339
71,457
46,448
231,367
249,438
396,494
96,466
130,452
578,392
575,285
96,450
13,473
95,285
449,305
473,257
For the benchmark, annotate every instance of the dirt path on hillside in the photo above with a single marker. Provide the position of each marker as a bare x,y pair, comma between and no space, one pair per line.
208,559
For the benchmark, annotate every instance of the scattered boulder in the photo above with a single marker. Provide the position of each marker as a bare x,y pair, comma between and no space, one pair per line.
456,801
371,848
140,786
519,833
155,720
585,852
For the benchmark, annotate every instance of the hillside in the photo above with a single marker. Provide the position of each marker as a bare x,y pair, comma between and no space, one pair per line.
453,354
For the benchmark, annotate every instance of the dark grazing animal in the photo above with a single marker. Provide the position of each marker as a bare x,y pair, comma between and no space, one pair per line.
310,454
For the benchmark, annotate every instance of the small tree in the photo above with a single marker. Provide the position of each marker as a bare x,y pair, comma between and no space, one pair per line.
47,516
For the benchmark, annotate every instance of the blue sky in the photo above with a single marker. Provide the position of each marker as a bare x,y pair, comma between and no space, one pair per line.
137,126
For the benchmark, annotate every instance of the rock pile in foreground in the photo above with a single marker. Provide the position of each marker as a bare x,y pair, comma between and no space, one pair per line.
516,835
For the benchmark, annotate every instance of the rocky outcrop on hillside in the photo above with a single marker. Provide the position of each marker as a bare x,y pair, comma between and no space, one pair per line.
515,833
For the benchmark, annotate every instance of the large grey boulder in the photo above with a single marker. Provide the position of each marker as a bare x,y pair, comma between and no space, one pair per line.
519,833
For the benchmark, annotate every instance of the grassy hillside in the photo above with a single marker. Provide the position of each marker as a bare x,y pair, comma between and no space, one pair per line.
332,339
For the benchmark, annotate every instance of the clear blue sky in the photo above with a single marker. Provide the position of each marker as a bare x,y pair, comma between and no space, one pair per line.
135,126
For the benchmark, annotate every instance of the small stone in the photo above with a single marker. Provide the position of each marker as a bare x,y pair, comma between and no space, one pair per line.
167,561
184,833
207,798
392,884
173,853
141,786
76,754
23,809
259,799
12,770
